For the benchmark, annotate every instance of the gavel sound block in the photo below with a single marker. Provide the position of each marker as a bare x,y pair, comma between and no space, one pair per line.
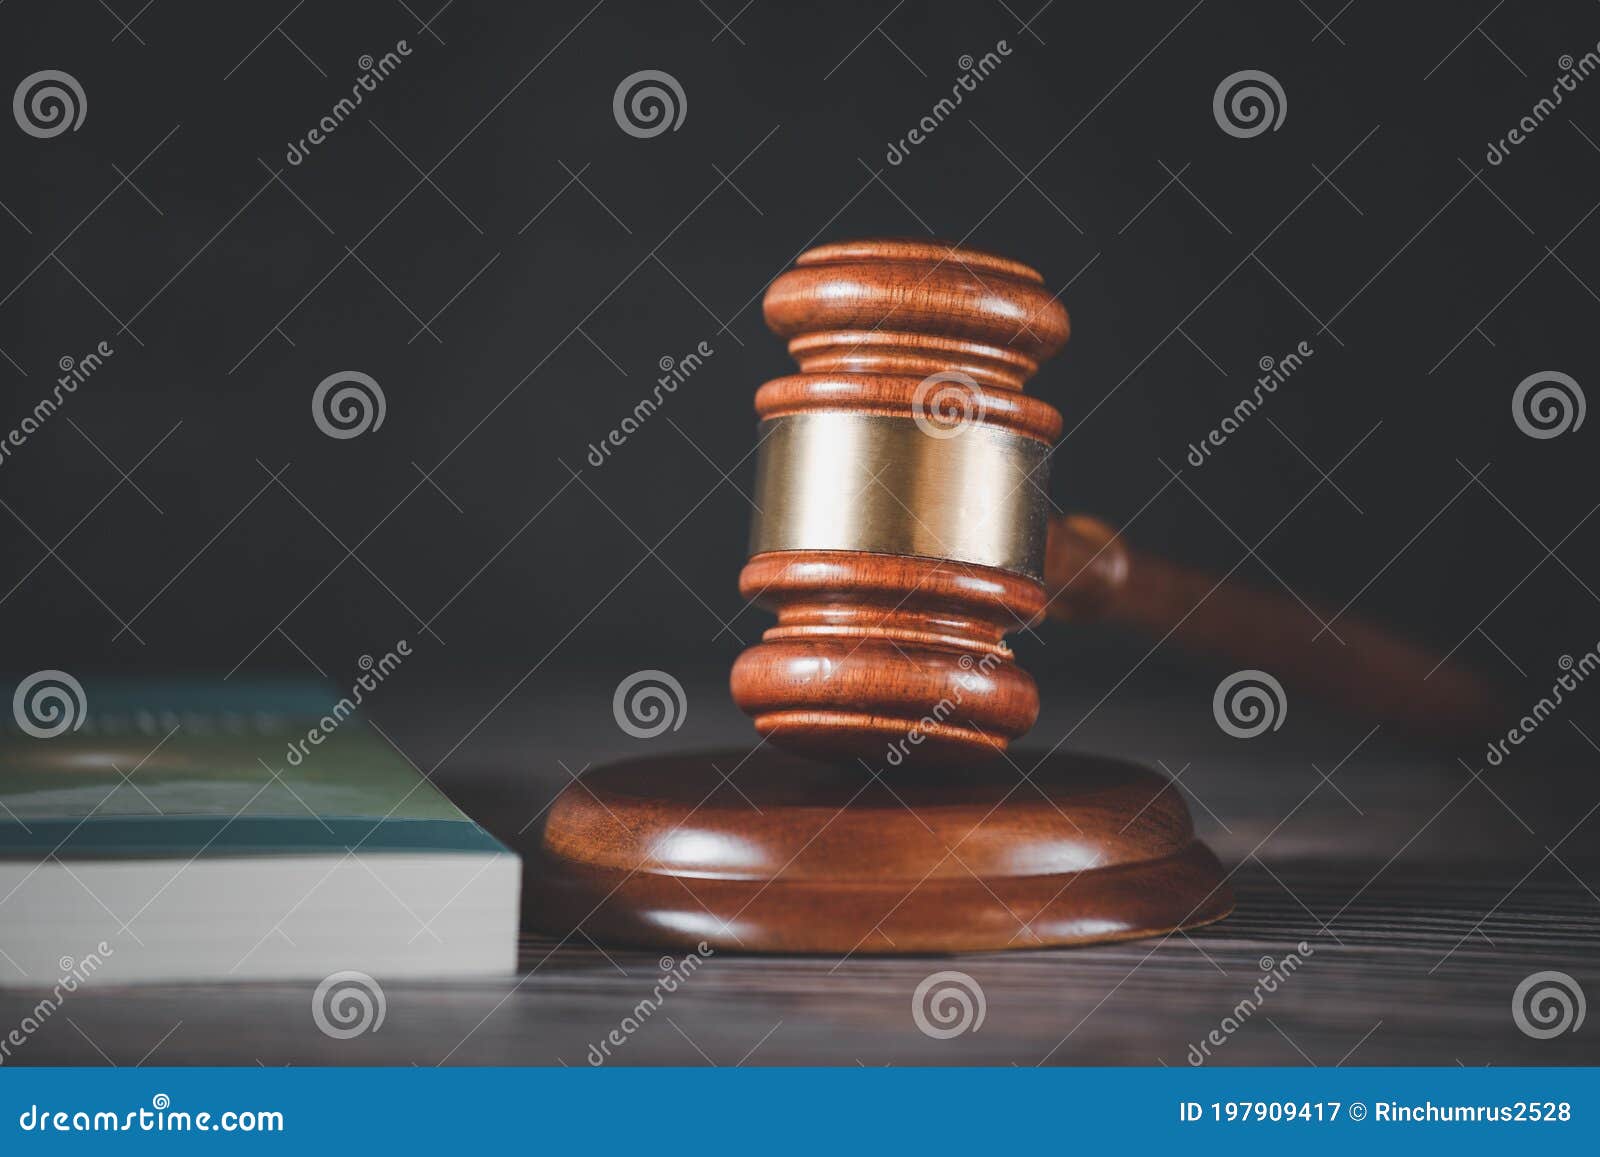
901,534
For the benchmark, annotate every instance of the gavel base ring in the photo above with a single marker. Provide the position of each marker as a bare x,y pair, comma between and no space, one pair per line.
792,856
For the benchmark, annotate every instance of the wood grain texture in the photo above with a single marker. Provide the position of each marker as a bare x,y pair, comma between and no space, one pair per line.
808,857
893,662
868,321
873,647
910,308
1436,904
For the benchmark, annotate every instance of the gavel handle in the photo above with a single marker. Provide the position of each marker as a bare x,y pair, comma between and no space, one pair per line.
1092,574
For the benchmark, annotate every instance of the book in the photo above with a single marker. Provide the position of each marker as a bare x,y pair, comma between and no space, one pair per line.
185,832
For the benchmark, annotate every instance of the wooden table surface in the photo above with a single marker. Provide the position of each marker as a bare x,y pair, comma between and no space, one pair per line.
1425,885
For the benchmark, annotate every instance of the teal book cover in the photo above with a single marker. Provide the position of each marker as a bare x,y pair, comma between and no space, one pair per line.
230,831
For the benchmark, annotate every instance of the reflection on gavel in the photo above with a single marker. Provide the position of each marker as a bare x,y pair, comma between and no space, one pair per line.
903,527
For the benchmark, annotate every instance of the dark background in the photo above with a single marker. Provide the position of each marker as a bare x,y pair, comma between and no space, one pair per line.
1428,283
1369,225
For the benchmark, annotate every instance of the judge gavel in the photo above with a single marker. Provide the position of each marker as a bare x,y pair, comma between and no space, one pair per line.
903,527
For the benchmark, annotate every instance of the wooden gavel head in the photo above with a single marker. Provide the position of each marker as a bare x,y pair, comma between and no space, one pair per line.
901,503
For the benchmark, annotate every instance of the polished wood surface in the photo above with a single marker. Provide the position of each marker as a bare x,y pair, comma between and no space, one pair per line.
770,853
904,309
914,831
915,654
871,647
